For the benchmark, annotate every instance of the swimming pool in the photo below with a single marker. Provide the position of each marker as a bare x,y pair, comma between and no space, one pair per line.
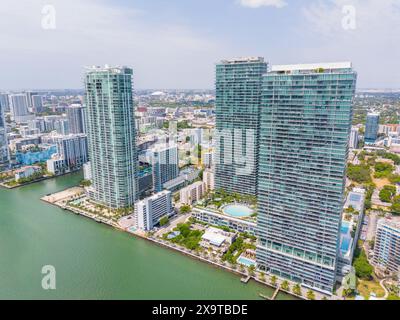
344,229
345,245
238,210
246,262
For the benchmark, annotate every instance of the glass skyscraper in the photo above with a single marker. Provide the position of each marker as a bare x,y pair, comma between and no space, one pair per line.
372,128
238,98
305,125
111,136
165,164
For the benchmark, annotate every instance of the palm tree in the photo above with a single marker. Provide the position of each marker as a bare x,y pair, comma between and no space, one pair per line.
310,295
273,281
285,285
297,289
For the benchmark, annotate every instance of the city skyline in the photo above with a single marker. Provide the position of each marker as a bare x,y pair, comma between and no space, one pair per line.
194,36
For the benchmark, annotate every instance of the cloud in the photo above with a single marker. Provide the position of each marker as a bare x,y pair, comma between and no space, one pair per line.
371,43
92,32
263,3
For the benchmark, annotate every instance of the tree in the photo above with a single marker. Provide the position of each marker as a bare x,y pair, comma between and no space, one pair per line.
164,221
383,170
273,281
310,295
396,205
185,209
359,173
297,289
285,285
387,193
86,183
363,269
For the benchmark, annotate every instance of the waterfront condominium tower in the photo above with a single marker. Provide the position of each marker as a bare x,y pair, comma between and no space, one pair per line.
238,98
111,136
4,154
305,127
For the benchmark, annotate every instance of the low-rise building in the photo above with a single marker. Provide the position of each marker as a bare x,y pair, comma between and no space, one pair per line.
149,211
218,238
192,193
387,245
350,230
208,179
26,172
217,219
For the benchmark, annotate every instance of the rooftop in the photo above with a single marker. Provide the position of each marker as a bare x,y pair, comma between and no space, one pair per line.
312,67
242,60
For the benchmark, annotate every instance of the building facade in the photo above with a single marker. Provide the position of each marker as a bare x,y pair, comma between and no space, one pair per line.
37,103
353,138
75,116
149,211
238,98
372,128
19,108
387,245
305,128
111,136
165,164
4,152
208,179
192,193
72,154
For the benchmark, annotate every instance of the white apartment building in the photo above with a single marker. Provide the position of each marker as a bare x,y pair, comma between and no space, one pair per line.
149,211
208,179
192,193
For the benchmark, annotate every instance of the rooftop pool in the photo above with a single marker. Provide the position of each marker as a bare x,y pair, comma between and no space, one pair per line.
238,210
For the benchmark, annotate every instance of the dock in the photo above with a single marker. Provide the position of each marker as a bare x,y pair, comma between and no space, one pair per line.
270,298
245,280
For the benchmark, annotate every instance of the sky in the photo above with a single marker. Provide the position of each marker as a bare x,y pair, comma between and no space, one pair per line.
175,44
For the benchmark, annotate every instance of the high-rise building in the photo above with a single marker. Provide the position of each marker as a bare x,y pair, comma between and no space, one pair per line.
72,154
37,103
387,245
75,117
62,126
165,164
149,211
19,108
29,100
111,136
353,144
238,98
372,128
4,153
305,127
5,102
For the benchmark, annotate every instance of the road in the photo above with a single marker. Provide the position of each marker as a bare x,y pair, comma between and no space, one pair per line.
172,224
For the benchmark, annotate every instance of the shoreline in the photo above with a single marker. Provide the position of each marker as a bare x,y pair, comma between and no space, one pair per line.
177,249
35,181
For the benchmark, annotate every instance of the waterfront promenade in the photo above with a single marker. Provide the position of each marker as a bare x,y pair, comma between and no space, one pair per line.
62,198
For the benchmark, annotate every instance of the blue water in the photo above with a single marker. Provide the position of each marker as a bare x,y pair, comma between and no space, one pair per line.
238,210
344,228
344,247
246,262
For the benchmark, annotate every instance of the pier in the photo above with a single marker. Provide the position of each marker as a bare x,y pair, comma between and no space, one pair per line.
273,296
245,279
